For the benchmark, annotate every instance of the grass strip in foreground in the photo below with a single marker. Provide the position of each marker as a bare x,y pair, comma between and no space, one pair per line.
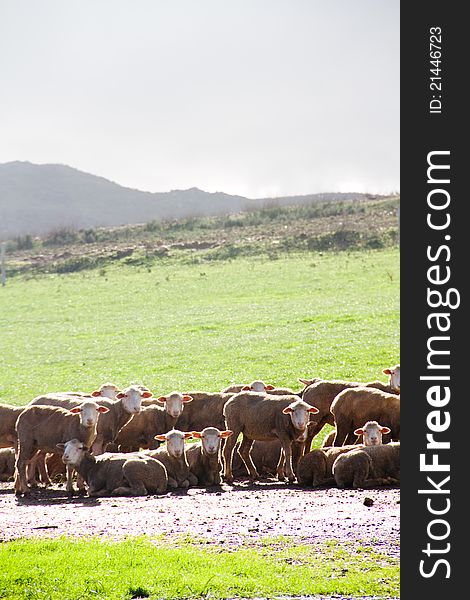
71,569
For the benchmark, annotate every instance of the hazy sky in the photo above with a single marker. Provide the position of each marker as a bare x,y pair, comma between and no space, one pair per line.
251,97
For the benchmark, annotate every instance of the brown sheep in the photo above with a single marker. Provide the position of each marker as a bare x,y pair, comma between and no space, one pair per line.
8,417
264,417
7,463
173,456
369,466
204,456
115,474
315,468
206,410
353,407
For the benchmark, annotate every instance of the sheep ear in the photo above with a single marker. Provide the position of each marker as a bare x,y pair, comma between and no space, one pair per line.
61,446
161,399
187,398
75,409
385,430
188,434
359,431
120,395
226,434
313,409
161,437
287,410
387,371
96,393
269,387
197,434
103,409
147,394
246,388
305,381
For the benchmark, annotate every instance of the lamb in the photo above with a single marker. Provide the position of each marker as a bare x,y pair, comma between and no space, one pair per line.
369,466
140,431
264,417
7,463
115,474
203,457
43,427
173,456
315,468
353,407
372,434
8,416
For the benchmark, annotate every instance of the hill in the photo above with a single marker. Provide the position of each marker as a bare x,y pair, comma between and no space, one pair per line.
37,199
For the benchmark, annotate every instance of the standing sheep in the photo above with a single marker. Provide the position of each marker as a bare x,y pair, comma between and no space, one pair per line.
369,466
152,419
43,427
205,410
353,407
115,474
204,456
173,456
264,417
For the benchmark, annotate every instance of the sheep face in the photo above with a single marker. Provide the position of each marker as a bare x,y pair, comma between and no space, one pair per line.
372,433
73,451
107,390
89,413
174,441
174,403
299,412
211,437
132,398
394,377
258,386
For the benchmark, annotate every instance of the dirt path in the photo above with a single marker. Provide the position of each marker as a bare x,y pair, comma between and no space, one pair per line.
231,516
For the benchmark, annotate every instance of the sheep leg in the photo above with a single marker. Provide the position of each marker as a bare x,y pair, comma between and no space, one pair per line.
41,465
287,447
228,455
280,466
172,483
314,428
69,487
341,434
244,452
24,455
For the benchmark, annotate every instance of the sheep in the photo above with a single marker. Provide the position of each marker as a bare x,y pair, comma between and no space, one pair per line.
315,468
369,466
43,427
115,474
372,434
203,457
8,416
264,417
153,419
205,410
107,390
258,386
7,463
121,410
173,456
353,407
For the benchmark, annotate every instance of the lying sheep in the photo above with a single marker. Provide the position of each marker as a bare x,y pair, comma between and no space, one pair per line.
315,468
264,417
115,474
206,410
173,456
140,431
8,416
204,456
353,407
7,463
371,433
43,427
369,466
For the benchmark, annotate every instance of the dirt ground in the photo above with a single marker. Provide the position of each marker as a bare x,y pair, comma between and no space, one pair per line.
230,515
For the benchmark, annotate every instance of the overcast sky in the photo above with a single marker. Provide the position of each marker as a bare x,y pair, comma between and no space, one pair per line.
251,97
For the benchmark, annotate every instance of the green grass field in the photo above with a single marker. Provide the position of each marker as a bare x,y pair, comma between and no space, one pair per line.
139,568
188,326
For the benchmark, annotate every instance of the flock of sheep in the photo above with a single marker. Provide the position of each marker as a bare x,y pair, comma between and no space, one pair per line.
130,443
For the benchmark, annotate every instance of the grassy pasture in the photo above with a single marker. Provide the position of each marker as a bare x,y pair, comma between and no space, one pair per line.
189,326
139,568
